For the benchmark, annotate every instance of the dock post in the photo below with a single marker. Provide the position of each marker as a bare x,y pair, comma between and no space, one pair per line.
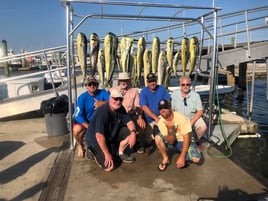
242,75
266,59
230,74
4,52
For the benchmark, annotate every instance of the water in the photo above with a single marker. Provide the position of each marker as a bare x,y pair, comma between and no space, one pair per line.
252,152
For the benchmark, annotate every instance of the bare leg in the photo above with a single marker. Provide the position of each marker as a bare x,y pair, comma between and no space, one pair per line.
162,148
78,133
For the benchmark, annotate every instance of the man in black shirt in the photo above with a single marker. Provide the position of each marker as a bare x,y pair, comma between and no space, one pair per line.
111,128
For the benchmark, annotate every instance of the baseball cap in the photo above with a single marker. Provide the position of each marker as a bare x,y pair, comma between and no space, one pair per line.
92,79
164,104
116,94
151,77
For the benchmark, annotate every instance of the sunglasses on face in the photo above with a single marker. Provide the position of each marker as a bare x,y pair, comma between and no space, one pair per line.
188,84
150,81
160,108
118,99
92,84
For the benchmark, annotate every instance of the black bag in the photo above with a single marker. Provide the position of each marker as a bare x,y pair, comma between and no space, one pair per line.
55,105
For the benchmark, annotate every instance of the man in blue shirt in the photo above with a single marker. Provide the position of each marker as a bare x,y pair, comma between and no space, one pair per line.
87,103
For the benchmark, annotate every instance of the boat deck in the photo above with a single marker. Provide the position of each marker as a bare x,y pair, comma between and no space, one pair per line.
35,166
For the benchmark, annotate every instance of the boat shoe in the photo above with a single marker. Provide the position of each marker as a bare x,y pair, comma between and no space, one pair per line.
125,158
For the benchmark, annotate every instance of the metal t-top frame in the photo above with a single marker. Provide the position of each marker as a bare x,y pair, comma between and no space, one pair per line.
71,28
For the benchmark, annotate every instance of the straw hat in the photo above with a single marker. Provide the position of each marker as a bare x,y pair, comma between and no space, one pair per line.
123,76
116,94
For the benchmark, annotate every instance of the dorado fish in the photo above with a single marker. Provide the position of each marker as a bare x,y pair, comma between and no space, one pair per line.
194,48
184,54
133,69
176,59
94,42
101,66
110,48
82,53
170,50
141,46
167,76
147,62
162,65
125,48
155,53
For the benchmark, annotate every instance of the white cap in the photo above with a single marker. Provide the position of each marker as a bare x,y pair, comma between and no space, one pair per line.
116,94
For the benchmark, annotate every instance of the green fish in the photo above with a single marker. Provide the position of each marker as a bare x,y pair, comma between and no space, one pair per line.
194,49
101,66
125,48
184,54
147,61
94,42
82,53
141,46
155,53
170,51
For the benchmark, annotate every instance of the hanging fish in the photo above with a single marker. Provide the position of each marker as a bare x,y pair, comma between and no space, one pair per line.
141,46
155,53
101,66
162,65
176,59
125,47
82,53
110,48
147,62
94,42
170,51
194,49
167,76
133,69
184,54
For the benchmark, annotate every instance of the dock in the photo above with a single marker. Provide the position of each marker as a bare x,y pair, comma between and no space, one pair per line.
35,166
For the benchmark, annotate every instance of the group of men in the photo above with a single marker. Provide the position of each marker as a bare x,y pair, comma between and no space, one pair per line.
123,119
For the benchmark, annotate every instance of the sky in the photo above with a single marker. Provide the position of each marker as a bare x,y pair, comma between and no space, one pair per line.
37,24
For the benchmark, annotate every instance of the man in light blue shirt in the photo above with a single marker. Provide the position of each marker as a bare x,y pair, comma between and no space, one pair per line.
188,102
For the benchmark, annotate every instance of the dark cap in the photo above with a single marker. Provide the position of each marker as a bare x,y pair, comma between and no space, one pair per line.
92,79
151,77
164,104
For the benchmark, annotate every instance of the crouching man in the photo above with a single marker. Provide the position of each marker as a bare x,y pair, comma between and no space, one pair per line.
111,131
175,129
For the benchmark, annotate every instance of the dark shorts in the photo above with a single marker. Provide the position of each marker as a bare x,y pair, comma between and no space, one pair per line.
113,148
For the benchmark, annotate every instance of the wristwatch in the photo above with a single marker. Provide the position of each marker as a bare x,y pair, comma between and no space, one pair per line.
134,131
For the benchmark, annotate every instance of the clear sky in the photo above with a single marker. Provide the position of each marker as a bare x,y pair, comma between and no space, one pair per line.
37,24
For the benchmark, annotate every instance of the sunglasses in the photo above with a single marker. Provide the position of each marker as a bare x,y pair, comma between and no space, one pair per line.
92,84
185,103
150,81
118,99
160,108
185,84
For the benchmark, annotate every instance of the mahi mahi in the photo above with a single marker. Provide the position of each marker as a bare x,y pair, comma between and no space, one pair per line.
82,53
176,59
147,61
170,50
125,48
167,76
184,54
110,49
155,53
194,49
162,65
94,42
101,66
141,46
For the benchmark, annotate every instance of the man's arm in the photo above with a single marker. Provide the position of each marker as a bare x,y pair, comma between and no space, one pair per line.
197,115
132,136
185,145
148,111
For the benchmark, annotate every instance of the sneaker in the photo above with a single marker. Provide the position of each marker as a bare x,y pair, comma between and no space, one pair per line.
141,150
127,159
90,155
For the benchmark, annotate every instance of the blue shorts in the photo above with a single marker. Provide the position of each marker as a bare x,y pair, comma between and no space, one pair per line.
192,152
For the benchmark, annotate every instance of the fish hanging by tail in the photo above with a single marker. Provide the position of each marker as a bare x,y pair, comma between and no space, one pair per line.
184,54
155,53
162,65
101,67
133,69
147,62
167,76
81,42
125,48
176,59
141,46
194,49
110,51
170,51
94,42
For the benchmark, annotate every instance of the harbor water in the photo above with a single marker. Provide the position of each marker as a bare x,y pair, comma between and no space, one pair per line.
251,153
